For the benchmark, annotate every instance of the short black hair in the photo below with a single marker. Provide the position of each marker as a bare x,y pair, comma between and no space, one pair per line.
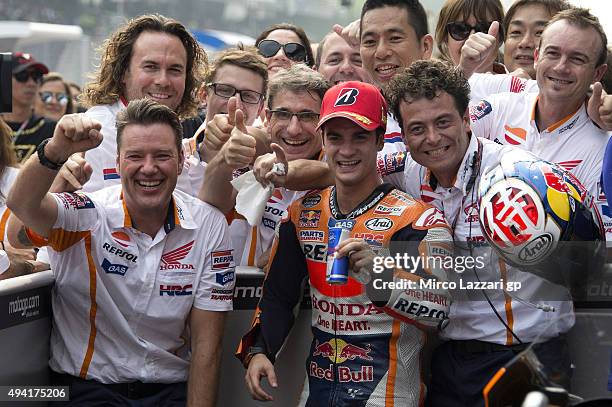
417,17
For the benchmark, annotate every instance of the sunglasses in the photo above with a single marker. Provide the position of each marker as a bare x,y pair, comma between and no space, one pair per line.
47,97
23,76
293,50
460,31
227,91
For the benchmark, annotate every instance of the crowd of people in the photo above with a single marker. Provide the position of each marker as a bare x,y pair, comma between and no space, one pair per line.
124,190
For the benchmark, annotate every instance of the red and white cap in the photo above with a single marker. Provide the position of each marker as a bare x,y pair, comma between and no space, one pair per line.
23,61
359,102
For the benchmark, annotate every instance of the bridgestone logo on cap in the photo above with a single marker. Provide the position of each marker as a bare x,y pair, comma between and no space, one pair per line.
347,97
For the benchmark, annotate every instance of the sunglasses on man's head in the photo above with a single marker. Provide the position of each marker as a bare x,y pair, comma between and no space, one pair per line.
460,31
294,51
47,97
23,76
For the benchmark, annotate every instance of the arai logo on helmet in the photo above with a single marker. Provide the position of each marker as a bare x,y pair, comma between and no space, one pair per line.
537,249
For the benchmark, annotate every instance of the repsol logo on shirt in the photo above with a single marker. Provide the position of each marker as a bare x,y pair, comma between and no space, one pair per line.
274,211
119,252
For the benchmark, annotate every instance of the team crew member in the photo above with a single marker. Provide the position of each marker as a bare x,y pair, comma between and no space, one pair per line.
444,168
135,265
150,56
294,102
554,123
236,72
338,61
392,34
523,26
360,354
27,129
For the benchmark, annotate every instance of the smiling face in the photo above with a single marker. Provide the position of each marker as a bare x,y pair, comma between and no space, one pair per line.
54,109
149,164
240,79
389,43
157,69
523,37
454,46
436,135
351,154
280,60
340,62
565,63
299,138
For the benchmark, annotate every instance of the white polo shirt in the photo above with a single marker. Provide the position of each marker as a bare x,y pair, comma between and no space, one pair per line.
482,85
575,142
250,242
471,317
7,178
122,299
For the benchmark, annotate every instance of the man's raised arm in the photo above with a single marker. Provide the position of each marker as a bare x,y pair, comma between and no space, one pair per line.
29,198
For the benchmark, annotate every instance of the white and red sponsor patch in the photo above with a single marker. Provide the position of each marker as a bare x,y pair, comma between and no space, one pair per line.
428,194
515,135
569,164
389,210
430,218
222,259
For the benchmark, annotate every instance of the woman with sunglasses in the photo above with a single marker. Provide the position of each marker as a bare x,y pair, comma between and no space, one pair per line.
283,45
458,19
54,98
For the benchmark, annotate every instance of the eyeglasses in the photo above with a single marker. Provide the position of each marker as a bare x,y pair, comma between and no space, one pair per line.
303,117
293,50
47,97
460,31
24,75
227,91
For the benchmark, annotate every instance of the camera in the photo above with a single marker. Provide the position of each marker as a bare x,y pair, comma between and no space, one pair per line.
6,83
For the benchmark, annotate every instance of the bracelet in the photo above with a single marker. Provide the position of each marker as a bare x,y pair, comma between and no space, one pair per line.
253,350
44,161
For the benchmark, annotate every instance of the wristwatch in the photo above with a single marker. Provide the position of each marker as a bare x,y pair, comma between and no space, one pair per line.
44,161
253,350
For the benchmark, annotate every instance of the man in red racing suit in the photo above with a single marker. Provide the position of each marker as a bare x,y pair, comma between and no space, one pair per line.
367,338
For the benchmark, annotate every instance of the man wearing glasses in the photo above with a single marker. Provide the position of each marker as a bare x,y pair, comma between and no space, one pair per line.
292,112
239,72
28,130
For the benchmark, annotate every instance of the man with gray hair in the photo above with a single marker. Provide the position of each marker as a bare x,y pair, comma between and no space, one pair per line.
292,112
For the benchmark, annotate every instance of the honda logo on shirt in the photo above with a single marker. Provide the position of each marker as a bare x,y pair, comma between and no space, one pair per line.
171,260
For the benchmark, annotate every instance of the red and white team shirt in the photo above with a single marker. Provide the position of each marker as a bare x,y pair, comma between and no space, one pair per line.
122,299
575,142
7,178
471,317
482,85
394,140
